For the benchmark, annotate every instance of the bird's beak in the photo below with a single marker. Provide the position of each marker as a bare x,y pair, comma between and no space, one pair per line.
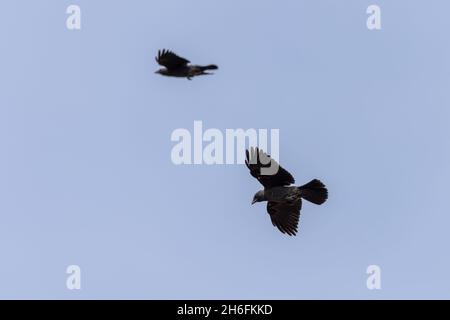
254,201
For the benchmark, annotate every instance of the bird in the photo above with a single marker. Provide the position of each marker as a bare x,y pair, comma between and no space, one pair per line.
176,66
284,201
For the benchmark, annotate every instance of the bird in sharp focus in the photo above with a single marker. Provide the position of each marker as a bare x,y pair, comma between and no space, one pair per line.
284,201
176,66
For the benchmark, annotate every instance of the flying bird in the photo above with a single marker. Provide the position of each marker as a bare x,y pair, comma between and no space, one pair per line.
176,66
284,201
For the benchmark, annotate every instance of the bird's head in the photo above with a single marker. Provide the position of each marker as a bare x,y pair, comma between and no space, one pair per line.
258,197
160,71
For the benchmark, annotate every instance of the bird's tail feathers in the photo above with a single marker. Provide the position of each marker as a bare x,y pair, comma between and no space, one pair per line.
209,67
314,191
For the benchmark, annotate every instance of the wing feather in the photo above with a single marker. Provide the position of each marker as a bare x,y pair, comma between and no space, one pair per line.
285,216
170,60
257,159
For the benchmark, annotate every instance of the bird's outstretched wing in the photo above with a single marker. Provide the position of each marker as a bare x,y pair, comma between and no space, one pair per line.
257,159
285,215
170,60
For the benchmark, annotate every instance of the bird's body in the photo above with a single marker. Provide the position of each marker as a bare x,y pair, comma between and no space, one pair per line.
186,72
284,201
175,66
282,194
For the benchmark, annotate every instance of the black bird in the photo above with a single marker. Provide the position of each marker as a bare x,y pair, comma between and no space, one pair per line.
176,66
284,201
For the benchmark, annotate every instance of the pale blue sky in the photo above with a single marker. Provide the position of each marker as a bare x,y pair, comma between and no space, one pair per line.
85,170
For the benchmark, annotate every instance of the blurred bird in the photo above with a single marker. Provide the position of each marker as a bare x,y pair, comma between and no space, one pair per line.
284,201
175,66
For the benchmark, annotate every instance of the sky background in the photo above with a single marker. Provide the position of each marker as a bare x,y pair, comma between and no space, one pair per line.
86,176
